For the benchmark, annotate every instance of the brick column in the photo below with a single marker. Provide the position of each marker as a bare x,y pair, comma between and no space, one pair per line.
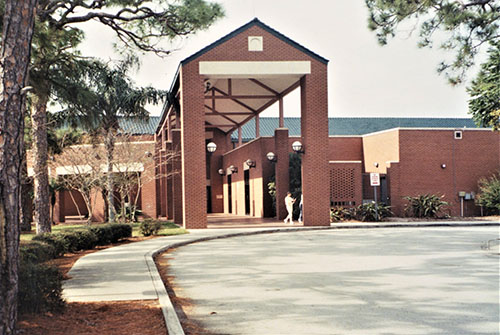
59,210
169,183
177,178
194,193
314,131
281,170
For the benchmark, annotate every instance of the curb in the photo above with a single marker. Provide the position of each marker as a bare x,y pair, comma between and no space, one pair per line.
172,322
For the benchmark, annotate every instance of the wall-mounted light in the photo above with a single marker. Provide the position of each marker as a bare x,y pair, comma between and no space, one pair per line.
375,164
233,169
271,156
443,166
148,154
211,147
298,147
250,163
221,172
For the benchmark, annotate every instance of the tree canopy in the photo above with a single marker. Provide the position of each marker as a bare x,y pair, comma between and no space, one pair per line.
464,27
484,103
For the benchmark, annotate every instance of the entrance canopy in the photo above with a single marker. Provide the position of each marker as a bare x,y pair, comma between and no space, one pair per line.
235,92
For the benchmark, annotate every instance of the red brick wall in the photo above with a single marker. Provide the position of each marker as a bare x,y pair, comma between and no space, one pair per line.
345,184
468,159
345,148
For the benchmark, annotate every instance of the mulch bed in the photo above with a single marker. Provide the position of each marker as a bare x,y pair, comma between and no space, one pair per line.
137,317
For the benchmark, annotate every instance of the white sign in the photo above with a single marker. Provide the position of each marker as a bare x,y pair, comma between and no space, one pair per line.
374,179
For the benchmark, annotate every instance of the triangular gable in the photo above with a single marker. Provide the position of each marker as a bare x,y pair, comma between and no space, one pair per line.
255,22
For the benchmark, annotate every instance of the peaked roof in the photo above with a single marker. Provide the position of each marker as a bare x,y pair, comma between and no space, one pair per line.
351,125
255,22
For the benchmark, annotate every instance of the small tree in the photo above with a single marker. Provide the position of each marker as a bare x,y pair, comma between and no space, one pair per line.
489,193
135,165
79,168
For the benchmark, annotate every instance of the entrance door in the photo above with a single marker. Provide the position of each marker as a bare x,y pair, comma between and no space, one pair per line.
383,190
247,192
209,199
229,194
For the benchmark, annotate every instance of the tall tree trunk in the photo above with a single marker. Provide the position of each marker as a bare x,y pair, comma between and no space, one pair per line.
109,143
40,168
26,202
17,31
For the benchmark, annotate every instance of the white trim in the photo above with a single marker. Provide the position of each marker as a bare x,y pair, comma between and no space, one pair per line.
246,69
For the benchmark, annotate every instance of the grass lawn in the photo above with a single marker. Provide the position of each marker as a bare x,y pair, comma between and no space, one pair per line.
169,228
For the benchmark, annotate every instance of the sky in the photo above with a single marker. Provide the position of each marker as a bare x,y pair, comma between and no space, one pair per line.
364,78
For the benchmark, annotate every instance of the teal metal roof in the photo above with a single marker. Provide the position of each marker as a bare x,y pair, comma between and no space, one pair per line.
256,22
351,125
140,127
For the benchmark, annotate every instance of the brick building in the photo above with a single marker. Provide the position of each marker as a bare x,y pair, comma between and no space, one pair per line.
216,97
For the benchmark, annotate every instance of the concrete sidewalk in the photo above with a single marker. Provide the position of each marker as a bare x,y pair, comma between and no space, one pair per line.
128,272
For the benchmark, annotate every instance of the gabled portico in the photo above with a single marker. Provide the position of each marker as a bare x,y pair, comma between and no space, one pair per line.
222,87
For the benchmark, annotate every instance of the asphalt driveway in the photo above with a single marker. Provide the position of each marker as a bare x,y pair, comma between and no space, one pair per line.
364,281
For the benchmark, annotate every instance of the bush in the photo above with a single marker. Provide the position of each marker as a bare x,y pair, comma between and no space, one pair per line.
150,227
341,214
489,194
424,206
111,233
36,252
60,244
368,212
40,288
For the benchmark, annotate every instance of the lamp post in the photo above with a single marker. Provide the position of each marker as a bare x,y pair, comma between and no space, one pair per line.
250,163
298,147
211,147
271,156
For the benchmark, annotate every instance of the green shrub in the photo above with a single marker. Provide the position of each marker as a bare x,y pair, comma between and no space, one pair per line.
36,252
341,214
489,194
120,231
40,288
424,206
368,212
150,227
103,232
59,243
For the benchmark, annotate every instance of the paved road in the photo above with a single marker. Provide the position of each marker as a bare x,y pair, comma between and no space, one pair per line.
368,281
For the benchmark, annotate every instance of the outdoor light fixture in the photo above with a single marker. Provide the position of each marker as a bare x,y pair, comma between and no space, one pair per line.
375,164
271,156
233,169
148,154
221,172
298,147
443,166
211,147
250,163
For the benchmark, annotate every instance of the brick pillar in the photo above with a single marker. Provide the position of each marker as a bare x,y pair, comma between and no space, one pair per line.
163,184
176,178
59,210
149,205
314,131
281,170
194,192
169,183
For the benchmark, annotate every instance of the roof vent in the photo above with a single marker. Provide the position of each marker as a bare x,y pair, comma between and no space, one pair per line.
255,43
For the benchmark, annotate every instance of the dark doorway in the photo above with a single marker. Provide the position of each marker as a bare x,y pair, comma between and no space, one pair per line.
229,194
209,199
384,198
247,192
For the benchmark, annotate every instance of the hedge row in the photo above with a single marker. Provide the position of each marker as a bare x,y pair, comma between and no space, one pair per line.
40,285
85,239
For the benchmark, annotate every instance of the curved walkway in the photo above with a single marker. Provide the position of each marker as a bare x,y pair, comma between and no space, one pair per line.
128,272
